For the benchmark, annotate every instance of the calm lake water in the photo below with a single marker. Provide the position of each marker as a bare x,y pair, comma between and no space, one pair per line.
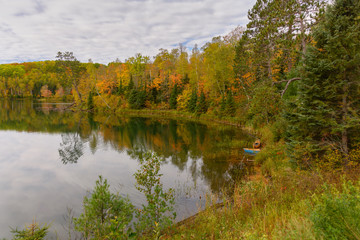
49,160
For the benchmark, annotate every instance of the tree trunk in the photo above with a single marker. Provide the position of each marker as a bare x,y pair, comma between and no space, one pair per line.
289,39
303,36
77,92
344,133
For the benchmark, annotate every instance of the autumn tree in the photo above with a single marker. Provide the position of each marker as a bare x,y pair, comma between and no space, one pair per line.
10,76
218,62
71,69
195,67
182,62
137,66
45,92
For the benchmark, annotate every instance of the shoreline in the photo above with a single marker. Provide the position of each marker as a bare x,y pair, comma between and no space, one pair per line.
179,115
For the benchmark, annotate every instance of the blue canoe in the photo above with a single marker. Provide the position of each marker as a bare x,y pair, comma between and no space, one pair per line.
251,150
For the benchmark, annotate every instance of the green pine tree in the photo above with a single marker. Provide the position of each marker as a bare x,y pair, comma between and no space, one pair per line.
325,115
223,104
192,102
140,100
120,90
131,86
202,105
90,100
132,98
173,97
230,108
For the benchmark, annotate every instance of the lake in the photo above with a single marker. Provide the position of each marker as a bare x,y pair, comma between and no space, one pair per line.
51,158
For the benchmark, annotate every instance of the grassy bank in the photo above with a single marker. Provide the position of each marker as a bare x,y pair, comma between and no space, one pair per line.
282,202
289,205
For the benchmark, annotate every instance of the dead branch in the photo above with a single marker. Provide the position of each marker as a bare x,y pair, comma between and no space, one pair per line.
287,84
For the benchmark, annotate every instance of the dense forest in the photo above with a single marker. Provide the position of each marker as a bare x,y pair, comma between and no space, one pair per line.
294,70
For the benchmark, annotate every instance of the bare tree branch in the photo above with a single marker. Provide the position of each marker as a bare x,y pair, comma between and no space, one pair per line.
287,84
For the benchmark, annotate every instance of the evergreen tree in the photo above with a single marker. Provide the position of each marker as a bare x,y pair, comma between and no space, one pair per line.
192,102
131,85
222,104
132,98
140,100
90,100
120,90
153,95
173,97
326,112
202,105
137,99
105,214
230,108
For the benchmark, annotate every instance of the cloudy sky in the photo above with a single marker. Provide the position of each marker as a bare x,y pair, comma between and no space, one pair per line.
103,30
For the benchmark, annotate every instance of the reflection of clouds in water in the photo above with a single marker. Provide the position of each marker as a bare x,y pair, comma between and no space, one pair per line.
29,183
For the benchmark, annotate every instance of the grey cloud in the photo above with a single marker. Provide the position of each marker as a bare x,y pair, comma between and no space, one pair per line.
112,29
5,28
39,6
21,14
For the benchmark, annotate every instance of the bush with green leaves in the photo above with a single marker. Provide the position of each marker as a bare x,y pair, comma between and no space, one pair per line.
159,211
336,214
105,215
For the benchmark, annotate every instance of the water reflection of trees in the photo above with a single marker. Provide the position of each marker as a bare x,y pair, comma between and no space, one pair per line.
71,148
27,115
212,153
206,152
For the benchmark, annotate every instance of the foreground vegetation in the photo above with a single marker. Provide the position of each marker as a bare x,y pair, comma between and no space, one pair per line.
290,205
276,203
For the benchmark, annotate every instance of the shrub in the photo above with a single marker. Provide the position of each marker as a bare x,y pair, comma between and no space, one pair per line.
336,213
159,202
105,214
